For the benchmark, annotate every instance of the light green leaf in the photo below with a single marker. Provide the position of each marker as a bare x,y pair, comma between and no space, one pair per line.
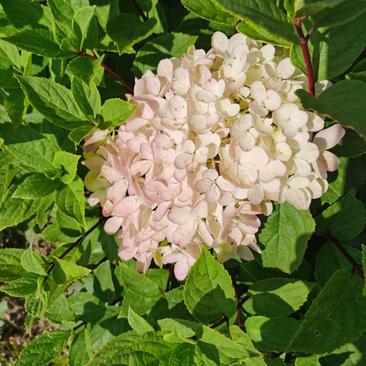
336,316
29,148
71,201
38,41
65,271
278,296
115,111
87,97
81,349
133,349
208,291
256,32
22,286
43,349
285,236
138,323
53,100
346,218
140,292
82,21
35,186
33,263
180,327
265,15
126,30
10,264
164,46
69,163
13,211
344,102
228,350
207,9
307,361
9,55
271,334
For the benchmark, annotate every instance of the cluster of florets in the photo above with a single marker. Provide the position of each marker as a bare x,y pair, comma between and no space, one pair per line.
217,137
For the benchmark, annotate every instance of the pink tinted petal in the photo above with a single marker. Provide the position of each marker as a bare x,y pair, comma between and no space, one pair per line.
127,206
113,224
181,270
328,138
184,234
332,162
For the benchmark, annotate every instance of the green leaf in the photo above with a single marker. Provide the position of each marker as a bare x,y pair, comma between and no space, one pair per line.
363,248
346,218
164,46
43,349
22,286
35,186
53,100
138,323
336,316
29,148
207,9
339,47
33,263
10,264
140,292
81,349
115,111
256,32
13,211
78,134
69,163
208,291
265,16
285,236
71,201
352,145
65,271
180,327
133,349
85,68
307,361
278,296
311,7
87,97
271,334
82,21
344,102
126,30
329,260
227,349
15,106
38,41
22,12
184,354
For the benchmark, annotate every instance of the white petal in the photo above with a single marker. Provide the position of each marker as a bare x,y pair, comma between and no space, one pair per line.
285,69
310,153
329,137
219,41
299,198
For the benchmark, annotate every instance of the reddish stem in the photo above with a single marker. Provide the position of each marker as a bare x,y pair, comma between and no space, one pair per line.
111,72
306,53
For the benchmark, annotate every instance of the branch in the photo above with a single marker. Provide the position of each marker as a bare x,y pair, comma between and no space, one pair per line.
305,51
110,72
356,267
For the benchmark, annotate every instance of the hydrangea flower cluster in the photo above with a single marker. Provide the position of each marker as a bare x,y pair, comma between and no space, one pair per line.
217,137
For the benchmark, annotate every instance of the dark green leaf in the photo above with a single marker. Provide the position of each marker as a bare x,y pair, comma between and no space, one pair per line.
22,286
127,29
336,316
344,101
87,97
